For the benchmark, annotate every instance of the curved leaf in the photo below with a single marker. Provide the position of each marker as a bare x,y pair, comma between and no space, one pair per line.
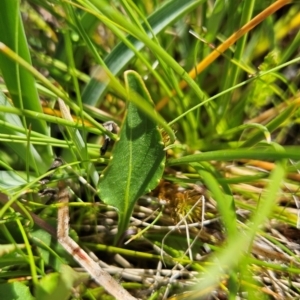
138,157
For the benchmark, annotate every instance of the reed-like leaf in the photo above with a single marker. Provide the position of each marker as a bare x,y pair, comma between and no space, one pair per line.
20,82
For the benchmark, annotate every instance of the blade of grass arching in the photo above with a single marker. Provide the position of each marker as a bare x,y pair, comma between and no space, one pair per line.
282,118
223,197
121,55
147,109
127,42
145,27
118,18
58,92
120,90
231,256
226,44
20,82
257,153
61,94
261,128
261,74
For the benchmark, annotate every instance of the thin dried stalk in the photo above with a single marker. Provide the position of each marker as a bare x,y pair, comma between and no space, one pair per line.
95,271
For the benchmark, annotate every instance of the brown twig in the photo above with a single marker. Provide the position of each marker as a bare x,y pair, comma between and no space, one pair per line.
94,269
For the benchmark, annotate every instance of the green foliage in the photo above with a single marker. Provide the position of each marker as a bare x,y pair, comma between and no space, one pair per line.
58,285
15,290
138,157
232,168
20,82
223,197
12,125
126,50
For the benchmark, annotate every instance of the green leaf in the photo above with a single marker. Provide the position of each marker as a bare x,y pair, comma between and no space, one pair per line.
16,291
121,55
138,157
259,153
59,285
20,82
232,255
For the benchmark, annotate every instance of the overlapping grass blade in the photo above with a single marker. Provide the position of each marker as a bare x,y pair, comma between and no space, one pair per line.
121,55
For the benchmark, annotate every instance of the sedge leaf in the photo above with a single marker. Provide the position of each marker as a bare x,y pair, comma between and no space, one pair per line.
138,157
19,82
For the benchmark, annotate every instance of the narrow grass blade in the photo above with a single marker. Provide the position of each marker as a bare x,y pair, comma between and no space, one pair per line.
234,252
121,55
223,197
20,149
260,153
20,82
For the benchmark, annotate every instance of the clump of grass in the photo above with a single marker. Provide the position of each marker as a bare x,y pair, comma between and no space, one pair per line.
223,222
